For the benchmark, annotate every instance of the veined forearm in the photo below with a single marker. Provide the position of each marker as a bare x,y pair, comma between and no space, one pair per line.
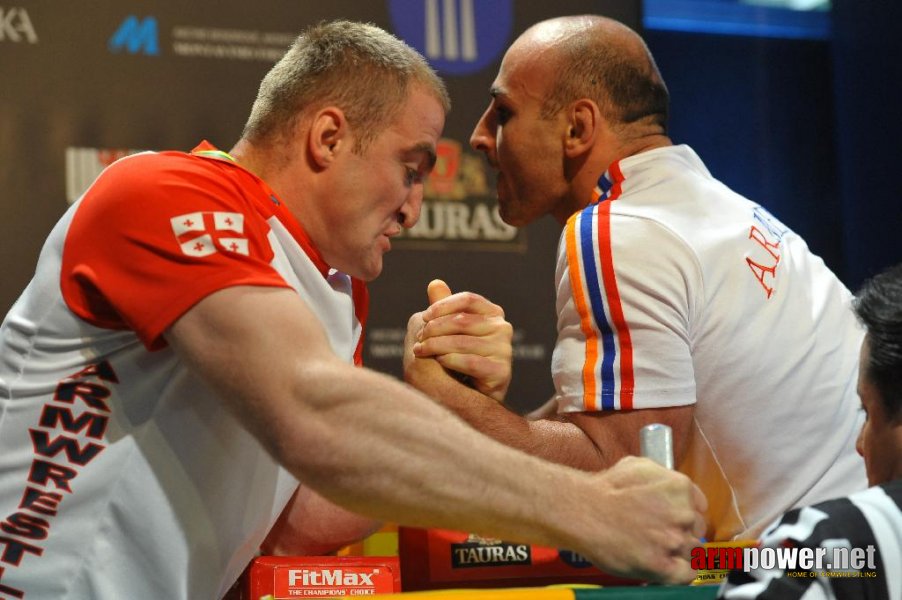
415,463
554,440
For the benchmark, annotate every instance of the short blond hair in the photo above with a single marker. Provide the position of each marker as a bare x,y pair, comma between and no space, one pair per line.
358,67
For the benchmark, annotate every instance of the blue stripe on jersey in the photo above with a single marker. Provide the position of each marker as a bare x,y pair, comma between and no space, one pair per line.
605,185
593,288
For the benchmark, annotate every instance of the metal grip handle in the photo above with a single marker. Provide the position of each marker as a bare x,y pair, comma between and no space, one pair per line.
656,443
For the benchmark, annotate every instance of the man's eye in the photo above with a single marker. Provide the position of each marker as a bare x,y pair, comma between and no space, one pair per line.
502,115
412,176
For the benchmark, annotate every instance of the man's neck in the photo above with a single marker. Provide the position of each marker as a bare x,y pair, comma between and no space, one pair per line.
244,153
584,181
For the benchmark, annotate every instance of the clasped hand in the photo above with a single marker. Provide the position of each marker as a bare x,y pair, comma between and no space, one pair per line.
465,334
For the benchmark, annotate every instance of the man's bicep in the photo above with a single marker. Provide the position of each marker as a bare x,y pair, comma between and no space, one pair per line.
616,434
251,345
244,318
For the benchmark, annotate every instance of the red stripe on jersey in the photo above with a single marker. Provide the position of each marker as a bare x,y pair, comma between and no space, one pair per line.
361,311
615,306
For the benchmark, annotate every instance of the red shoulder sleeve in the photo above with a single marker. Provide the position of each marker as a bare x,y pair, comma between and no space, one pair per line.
155,234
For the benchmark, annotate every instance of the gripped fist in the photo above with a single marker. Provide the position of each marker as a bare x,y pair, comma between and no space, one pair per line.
467,334
652,519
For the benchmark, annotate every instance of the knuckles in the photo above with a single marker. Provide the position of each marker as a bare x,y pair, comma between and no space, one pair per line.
415,320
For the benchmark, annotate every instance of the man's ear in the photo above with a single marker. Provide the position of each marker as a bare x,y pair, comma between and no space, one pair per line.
329,134
583,127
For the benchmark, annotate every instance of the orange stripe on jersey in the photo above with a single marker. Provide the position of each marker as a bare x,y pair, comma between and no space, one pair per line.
585,317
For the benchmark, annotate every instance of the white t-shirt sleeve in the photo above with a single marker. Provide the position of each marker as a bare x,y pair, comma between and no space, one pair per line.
627,294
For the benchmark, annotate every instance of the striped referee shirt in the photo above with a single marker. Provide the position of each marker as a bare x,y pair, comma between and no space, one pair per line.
870,518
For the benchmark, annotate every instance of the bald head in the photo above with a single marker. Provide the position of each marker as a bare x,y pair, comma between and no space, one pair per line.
601,59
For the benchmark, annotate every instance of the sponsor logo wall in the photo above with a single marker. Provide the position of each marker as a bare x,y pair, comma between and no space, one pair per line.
85,83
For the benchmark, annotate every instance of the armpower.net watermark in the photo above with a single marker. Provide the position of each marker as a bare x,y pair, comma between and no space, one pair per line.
714,560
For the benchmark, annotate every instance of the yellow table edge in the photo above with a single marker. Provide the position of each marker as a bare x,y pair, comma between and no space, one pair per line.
493,594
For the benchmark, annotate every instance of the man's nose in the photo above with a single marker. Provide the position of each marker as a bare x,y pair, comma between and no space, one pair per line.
410,210
483,138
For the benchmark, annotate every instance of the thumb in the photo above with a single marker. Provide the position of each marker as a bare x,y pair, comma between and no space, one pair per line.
437,290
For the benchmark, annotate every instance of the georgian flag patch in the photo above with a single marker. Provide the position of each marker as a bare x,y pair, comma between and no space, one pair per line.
204,233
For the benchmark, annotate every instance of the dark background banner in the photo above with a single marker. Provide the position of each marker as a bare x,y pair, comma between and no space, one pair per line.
83,83
808,127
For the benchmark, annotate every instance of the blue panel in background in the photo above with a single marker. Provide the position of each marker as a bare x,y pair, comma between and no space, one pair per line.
729,17
458,37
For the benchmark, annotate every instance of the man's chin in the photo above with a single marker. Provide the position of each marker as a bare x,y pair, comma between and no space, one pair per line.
371,272
367,272
511,218
369,275
506,208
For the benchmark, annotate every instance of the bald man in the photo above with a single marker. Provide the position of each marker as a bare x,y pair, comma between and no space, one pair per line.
678,300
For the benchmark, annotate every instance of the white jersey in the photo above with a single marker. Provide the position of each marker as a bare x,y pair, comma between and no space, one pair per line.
121,474
673,290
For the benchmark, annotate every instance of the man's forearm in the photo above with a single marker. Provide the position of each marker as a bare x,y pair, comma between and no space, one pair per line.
555,440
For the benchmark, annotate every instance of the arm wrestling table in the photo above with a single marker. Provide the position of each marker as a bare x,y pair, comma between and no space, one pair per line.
659,592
